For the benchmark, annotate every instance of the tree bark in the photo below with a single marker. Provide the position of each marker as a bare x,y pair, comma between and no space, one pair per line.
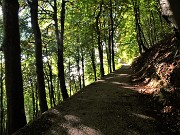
112,35
82,60
140,34
60,44
14,85
100,48
175,6
92,56
1,98
38,54
78,67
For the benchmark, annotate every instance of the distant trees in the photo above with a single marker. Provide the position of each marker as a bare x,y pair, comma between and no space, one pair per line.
14,86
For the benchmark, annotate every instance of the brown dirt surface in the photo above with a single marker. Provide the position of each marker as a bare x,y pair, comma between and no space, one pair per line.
156,73
110,106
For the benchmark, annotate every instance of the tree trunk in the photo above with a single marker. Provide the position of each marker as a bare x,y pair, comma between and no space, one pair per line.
139,32
69,69
109,52
51,84
60,43
78,67
92,55
82,60
38,55
112,35
1,98
100,48
33,99
14,85
175,7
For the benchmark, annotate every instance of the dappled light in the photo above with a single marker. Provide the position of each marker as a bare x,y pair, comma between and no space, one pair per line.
74,126
143,116
108,106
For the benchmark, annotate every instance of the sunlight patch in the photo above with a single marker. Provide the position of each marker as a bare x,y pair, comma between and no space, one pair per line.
143,116
83,130
74,127
72,118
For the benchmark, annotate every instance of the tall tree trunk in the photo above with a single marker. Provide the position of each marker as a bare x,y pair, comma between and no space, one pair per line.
175,7
78,67
108,45
100,48
38,53
60,44
1,98
92,55
14,85
109,54
33,99
69,70
82,60
51,84
139,32
112,35
36,103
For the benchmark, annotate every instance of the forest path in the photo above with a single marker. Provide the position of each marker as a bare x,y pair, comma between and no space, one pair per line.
109,106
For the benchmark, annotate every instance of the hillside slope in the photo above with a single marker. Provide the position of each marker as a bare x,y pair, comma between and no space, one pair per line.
157,74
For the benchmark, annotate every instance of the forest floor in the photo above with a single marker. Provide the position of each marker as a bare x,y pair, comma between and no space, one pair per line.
110,106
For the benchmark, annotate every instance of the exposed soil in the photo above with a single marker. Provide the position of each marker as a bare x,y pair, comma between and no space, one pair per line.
157,74
110,106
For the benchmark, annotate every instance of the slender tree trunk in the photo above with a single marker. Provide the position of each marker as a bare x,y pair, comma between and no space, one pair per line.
140,34
112,35
38,53
82,60
1,97
37,109
75,86
69,68
100,48
33,100
51,84
14,85
78,67
60,44
92,55
109,54
49,89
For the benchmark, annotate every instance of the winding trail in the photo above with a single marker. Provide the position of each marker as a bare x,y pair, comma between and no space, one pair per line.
110,106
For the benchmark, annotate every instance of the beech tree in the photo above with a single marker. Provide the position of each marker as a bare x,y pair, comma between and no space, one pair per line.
98,31
14,85
38,54
61,74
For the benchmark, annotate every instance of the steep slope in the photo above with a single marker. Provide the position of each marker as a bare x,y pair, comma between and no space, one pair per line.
157,73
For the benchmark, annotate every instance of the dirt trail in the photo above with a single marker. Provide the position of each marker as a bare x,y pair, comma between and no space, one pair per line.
109,106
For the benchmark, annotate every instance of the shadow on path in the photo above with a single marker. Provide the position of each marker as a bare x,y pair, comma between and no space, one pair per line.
109,106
